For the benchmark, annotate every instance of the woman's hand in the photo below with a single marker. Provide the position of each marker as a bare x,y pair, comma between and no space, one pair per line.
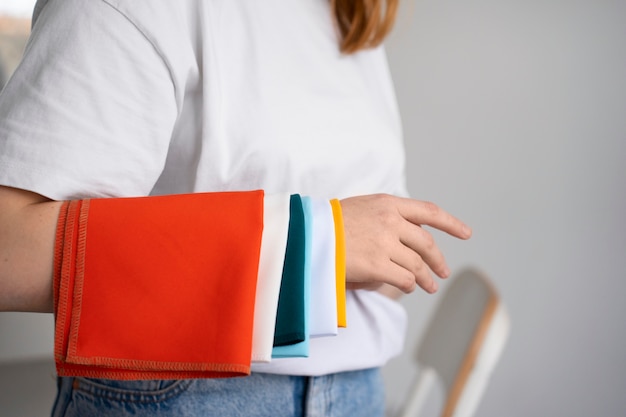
386,244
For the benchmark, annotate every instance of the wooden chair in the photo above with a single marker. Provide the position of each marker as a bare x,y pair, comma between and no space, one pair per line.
461,346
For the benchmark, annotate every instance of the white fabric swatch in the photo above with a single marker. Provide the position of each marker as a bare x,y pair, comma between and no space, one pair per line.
272,257
323,288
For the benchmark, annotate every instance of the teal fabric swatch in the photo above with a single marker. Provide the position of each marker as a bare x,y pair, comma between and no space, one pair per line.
290,316
301,349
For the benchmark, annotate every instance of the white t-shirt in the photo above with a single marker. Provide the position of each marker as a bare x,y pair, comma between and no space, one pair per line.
124,98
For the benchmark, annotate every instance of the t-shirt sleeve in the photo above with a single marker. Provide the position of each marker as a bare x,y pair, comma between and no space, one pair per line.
90,110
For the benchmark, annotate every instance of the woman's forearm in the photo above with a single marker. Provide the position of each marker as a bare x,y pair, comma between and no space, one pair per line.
27,231
385,246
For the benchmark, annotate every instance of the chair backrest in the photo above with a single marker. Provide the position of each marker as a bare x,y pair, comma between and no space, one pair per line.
461,345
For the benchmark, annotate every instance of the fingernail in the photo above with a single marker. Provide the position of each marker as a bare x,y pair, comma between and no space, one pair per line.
434,287
445,273
467,231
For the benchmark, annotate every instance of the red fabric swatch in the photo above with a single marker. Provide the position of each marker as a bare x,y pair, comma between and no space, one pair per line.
157,287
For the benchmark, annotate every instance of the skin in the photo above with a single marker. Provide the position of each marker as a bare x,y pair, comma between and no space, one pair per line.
387,249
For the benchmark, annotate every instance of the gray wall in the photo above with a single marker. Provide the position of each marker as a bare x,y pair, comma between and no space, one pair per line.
22,336
515,120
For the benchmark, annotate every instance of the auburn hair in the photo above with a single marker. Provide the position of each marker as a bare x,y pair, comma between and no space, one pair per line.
363,24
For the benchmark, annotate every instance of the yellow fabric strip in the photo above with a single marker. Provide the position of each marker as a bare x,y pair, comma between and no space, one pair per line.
340,263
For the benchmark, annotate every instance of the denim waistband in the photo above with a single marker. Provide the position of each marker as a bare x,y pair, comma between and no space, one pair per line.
355,393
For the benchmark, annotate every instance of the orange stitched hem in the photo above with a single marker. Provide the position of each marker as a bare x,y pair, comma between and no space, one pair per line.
58,252
65,280
79,277
123,374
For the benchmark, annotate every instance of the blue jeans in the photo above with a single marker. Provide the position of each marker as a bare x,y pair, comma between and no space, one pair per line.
349,394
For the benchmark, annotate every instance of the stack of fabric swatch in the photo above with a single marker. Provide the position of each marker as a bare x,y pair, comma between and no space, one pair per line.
194,285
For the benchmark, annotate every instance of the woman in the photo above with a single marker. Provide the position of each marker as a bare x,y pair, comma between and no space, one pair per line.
118,98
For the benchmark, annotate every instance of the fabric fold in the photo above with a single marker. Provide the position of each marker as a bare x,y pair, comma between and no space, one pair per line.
272,257
340,263
142,289
290,313
301,349
323,276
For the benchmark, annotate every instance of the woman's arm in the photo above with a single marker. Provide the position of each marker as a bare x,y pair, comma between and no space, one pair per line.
27,230
385,244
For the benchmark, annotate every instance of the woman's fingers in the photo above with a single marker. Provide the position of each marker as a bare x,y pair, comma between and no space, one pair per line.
427,213
423,243
385,242
412,262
